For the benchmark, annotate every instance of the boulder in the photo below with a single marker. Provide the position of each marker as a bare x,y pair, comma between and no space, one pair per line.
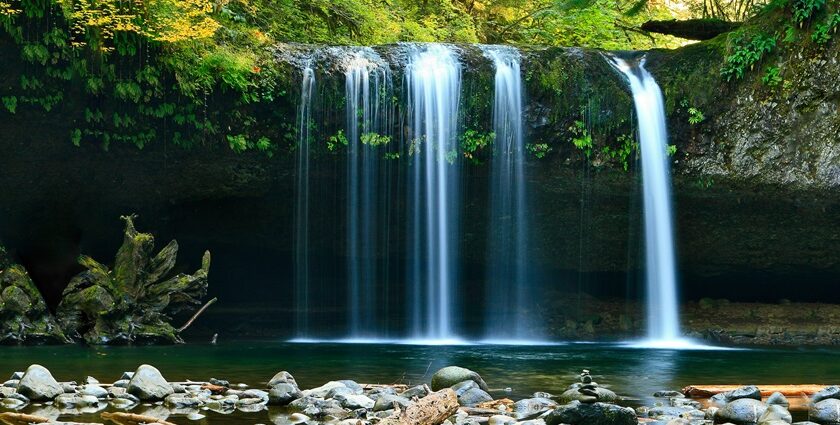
825,412
778,399
742,411
148,384
418,391
775,415
283,393
827,392
387,402
38,384
577,413
749,391
282,377
452,375
532,407
323,390
473,396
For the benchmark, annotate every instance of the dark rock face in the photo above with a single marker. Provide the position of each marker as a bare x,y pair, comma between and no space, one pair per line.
576,413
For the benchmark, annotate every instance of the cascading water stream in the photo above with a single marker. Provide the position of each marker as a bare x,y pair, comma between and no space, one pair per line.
302,272
367,92
508,296
433,80
663,321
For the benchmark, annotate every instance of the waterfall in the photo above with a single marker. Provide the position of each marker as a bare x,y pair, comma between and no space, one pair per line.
507,284
663,321
302,289
368,95
433,81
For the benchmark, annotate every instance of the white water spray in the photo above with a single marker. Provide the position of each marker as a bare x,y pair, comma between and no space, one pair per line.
302,289
433,79
663,320
508,296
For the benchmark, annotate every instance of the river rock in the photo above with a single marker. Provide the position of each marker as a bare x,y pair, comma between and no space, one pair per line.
679,421
94,390
121,383
778,399
452,375
355,401
11,403
827,392
261,395
500,420
283,393
387,402
825,412
463,387
16,376
75,400
473,396
587,394
181,401
668,394
282,377
418,391
148,384
353,386
12,383
38,384
741,411
323,390
749,391
577,413
775,415
532,407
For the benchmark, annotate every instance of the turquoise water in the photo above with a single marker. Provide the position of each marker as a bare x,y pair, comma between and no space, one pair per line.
510,371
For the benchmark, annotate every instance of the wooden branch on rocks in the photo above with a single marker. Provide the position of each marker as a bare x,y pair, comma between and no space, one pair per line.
10,418
120,418
197,313
430,410
396,387
706,391
692,29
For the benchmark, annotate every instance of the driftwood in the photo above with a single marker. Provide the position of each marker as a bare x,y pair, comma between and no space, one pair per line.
692,29
494,404
133,419
195,316
430,410
10,418
706,391
397,387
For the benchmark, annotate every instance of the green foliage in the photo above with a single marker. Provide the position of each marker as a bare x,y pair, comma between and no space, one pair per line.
391,155
539,150
582,138
671,150
10,102
695,116
626,145
772,77
336,141
823,31
746,54
374,139
803,10
473,141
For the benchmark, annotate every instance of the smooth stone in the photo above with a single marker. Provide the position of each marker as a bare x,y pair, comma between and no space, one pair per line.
355,401
283,393
94,390
659,394
323,390
775,415
16,376
679,421
11,403
148,384
122,383
257,394
38,384
91,380
418,391
749,392
75,400
600,394
219,382
452,375
779,399
12,383
825,393
501,420
282,377
577,413
195,416
741,411
6,392
387,402
129,397
353,386
178,388
825,412
122,403
69,388
531,407
463,387
298,418
126,376
182,401
20,397
473,396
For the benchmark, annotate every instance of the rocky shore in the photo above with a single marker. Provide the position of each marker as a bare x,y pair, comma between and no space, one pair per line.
455,396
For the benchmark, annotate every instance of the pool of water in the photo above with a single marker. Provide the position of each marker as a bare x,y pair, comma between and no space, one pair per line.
510,371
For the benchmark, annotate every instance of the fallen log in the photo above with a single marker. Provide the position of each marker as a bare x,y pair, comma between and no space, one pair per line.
430,410
706,391
10,418
396,387
120,418
692,29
